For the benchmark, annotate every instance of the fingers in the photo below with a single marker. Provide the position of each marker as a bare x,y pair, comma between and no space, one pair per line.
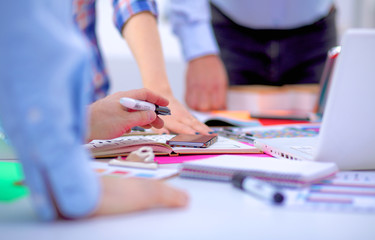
192,97
206,100
157,124
187,125
176,126
218,100
162,130
205,103
218,97
181,120
121,195
167,196
148,96
145,119
206,84
141,118
196,125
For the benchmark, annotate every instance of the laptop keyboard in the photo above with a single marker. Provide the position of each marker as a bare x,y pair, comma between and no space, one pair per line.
286,132
304,149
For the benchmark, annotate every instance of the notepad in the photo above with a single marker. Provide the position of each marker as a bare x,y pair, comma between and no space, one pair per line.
122,146
277,171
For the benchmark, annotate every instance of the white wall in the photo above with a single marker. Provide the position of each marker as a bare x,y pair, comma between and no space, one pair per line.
123,69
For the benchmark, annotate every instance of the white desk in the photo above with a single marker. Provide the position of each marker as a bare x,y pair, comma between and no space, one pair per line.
216,211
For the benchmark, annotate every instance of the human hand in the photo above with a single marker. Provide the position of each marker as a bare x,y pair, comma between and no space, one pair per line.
125,195
206,84
181,120
109,119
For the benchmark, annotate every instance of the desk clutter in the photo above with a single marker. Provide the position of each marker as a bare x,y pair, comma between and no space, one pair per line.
122,146
305,185
277,171
103,168
248,134
350,192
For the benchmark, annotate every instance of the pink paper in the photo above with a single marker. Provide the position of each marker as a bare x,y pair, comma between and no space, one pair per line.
185,158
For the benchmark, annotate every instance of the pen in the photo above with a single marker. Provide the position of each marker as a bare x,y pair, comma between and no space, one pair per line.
144,106
258,188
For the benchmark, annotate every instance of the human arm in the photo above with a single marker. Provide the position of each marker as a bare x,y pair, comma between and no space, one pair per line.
141,33
145,194
44,76
44,88
206,78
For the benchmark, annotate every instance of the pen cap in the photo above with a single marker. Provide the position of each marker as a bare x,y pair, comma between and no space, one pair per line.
238,179
278,198
264,190
162,110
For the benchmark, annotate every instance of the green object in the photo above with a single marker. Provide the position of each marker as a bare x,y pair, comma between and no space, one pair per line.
10,176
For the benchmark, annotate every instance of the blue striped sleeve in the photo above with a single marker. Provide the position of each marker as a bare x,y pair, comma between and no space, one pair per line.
125,9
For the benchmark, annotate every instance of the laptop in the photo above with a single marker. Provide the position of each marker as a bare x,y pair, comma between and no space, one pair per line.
347,133
321,101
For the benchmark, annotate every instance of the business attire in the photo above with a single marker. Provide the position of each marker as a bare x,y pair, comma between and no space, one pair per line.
45,86
85,17
270,42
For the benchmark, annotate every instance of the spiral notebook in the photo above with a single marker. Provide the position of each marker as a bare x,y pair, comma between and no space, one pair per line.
277,171
122,146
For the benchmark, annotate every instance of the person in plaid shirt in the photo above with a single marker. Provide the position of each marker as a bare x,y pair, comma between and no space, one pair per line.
136,22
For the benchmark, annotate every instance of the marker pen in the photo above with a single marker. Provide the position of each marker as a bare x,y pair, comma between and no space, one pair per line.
144,106
258,188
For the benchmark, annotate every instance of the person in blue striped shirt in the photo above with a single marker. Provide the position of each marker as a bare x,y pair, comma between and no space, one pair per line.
246,42
141,34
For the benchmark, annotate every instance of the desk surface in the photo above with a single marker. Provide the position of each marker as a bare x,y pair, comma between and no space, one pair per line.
216,211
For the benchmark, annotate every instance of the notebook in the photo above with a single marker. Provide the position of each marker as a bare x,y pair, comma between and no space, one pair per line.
276,171
347,131
122,146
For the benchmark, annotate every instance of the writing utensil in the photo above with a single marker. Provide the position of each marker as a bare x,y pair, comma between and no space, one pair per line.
144,106
258,188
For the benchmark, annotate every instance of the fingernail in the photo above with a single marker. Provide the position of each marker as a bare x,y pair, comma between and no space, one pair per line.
183,199
151,115
197,133
212,132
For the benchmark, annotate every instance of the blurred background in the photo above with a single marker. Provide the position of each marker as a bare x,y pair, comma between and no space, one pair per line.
122,67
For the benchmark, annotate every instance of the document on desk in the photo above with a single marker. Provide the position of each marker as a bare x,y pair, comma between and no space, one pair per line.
226,118
103,169
346,192
122,146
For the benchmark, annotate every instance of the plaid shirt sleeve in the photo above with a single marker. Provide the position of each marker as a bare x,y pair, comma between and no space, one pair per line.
125,9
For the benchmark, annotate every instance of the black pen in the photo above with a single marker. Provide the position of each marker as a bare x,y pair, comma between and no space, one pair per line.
258,188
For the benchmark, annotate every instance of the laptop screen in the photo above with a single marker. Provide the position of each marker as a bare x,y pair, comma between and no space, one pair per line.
325,80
